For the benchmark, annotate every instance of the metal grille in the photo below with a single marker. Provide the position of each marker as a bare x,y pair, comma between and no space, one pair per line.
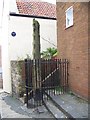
45,76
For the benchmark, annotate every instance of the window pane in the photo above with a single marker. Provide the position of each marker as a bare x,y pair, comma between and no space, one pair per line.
69,17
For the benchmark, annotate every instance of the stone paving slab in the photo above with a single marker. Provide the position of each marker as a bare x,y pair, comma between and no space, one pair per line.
75,106
12,108
54,110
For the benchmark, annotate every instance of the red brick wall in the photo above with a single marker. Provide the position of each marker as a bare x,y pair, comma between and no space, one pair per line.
73,45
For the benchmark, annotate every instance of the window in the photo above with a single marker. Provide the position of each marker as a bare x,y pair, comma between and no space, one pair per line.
69,17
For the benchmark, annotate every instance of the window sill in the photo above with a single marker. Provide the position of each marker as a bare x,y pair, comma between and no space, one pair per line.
69,27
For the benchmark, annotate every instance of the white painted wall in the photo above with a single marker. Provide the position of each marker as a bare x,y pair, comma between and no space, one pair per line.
13,6
21,44
1,16
48,31
5,44
5,50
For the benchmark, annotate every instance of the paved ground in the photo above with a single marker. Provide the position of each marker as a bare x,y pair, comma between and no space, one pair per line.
73,105
12,108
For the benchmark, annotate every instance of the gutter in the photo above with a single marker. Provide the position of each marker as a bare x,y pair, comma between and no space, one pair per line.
31,16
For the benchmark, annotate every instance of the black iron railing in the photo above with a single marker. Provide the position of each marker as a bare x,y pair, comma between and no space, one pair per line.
45,76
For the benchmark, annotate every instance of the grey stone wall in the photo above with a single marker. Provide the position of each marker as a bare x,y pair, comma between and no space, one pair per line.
18,83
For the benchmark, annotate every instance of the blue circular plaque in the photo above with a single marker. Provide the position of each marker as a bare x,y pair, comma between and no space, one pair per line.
13,34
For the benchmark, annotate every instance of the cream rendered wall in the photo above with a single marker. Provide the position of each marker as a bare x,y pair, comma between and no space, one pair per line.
7,8
48,31
1,16
21,44
5,50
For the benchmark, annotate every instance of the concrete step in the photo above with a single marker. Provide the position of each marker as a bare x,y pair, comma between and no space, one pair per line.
59,107
57,114
72,106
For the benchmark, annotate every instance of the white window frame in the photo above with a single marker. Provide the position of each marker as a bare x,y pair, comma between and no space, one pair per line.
69,19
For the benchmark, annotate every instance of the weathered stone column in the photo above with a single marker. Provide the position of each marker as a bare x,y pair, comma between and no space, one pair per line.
36,58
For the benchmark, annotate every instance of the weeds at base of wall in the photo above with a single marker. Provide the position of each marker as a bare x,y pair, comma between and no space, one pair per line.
77,97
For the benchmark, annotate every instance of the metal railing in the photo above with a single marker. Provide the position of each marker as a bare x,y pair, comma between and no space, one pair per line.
45,76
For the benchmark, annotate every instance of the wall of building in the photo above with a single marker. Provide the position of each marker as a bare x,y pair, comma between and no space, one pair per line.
15,47
89,47
1,80
1,11
6,6
5,50
73,45
21,44
0,56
